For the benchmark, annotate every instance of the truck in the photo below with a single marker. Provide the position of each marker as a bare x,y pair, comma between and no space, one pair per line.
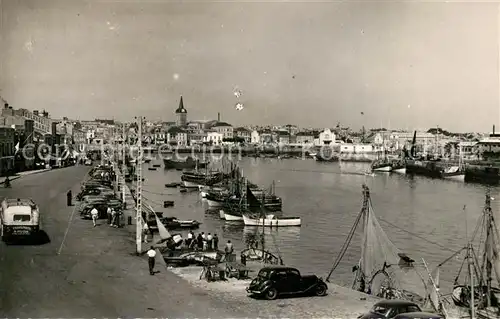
19,218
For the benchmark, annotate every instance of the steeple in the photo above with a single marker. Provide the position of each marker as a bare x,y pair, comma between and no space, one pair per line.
181,114
181,108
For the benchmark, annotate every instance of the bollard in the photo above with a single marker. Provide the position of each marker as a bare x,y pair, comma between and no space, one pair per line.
129,220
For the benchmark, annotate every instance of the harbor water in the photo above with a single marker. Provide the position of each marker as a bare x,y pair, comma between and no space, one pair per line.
425,218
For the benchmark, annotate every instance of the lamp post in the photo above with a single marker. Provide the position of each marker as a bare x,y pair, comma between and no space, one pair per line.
138,234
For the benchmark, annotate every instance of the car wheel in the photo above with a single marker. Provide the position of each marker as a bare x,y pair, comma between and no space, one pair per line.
271,294
321,290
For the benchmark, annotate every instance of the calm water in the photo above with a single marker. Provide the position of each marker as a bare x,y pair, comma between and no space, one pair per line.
423,217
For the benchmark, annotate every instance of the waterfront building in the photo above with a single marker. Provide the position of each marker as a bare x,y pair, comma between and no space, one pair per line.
243,133
255,137
181,114
213,138
327,137
349,148
305,138
225,129
7,149
283,137
177,136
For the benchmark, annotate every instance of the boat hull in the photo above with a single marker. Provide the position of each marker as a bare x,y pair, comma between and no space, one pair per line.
387,168
232,218
213,203
272,221
188,184
401,170
457,177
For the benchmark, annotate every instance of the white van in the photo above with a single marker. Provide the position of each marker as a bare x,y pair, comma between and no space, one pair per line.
19,217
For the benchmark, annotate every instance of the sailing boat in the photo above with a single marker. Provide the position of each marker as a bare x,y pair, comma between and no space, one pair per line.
382,270
484,300
383,164
455,172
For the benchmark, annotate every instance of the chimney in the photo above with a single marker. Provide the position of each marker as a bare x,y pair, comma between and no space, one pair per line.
218,117
493,129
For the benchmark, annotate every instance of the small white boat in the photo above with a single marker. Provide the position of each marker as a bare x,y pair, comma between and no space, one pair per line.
454,173
272,221
401,170
232,218
386,168
187,184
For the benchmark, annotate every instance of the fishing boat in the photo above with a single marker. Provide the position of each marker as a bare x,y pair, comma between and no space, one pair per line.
381,165
174,223
383,270
189,163
477,288
398,166
232,216
172,185
271,221
195,179
455,172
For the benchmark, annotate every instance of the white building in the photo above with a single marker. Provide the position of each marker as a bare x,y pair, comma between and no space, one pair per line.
355,148
327,137
255,137
213,138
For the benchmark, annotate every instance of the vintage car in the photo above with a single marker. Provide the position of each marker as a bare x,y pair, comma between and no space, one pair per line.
19,217
274,281
390,309
418,315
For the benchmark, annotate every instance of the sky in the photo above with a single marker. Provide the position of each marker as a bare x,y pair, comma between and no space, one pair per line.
377,64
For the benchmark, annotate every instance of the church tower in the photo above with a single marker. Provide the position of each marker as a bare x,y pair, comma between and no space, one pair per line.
181,114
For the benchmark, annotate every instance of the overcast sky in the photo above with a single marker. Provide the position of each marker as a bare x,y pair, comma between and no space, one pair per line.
404,65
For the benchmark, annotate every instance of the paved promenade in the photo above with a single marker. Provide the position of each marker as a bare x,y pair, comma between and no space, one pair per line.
85,271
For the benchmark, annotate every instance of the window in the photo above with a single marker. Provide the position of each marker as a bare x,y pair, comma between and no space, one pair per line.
22,218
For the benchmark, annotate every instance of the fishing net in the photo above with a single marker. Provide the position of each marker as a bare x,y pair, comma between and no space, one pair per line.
383,270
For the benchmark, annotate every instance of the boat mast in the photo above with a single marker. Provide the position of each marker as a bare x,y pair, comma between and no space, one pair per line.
471,273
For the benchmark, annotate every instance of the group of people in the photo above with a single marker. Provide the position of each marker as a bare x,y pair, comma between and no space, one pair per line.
202,241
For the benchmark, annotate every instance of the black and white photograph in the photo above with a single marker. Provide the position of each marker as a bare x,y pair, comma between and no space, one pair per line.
250,159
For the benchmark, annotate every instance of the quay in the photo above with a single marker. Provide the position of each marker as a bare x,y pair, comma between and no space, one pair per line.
340,302
84,271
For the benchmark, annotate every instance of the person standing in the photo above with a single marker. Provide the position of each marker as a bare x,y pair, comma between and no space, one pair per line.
229,251
94,214
69,198
114,219
210,239
145,232
151,260
216,242
110,216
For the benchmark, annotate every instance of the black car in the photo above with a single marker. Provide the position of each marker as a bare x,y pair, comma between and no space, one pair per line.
418,315
390,309
274,281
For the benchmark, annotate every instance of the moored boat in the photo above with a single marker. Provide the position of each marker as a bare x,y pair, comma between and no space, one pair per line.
232,216
381,166
453,172
399,167
189,163
271,221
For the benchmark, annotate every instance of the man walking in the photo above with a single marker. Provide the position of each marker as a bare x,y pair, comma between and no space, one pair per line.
151,260
69,198
114,219
95,214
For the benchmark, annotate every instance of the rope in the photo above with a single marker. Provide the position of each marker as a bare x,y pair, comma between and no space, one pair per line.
346,245
416,235
152,201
